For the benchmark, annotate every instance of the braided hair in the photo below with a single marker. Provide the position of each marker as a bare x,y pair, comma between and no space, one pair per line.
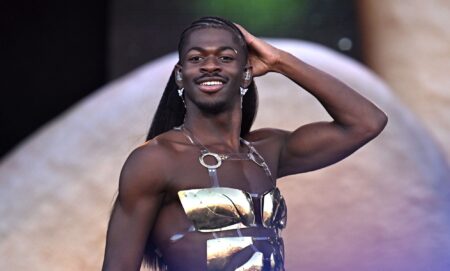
170,112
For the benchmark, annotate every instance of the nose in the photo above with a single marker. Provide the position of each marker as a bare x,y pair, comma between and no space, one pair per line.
210,65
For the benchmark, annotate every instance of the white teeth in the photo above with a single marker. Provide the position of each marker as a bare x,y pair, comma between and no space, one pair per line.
211,83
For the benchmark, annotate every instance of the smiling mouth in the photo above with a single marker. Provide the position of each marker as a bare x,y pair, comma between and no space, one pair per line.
211,83
211,86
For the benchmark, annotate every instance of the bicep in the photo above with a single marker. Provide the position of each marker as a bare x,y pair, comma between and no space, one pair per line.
317,145
128,231
140,196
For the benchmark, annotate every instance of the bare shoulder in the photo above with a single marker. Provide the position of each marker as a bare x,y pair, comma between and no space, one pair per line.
265,136
269,142
146,171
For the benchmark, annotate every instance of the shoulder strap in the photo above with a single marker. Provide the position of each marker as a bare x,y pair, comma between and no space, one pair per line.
212,169
257,158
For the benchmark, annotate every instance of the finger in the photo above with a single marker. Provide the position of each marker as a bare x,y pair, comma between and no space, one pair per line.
249,38
253,42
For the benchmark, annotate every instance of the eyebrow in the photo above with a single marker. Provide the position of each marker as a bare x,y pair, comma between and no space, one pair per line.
220,49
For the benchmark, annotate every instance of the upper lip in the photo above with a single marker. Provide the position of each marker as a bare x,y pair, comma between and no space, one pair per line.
209,79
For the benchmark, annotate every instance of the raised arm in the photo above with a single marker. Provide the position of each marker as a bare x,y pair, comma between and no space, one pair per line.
355,119
141,188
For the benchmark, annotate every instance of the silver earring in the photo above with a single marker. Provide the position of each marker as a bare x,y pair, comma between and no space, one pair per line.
247,75
178,76
180,93
243,91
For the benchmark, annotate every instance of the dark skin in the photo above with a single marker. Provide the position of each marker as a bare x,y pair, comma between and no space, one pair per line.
156,171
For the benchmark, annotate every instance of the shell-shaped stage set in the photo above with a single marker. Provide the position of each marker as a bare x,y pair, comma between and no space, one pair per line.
386,207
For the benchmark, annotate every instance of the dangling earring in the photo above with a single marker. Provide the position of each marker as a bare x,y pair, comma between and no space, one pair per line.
180,93
243,91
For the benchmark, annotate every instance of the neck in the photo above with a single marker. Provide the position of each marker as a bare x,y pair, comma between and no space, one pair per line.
221,130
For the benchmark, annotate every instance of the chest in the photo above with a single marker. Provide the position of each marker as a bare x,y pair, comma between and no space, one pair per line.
243,174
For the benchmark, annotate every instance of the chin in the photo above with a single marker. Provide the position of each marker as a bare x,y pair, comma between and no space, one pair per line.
213,107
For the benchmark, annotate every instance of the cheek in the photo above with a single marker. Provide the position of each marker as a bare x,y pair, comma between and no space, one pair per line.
189,73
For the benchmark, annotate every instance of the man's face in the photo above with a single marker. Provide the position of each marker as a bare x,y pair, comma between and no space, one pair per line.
212,68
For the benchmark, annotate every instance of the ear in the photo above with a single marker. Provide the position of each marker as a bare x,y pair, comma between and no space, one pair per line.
178,75
247,76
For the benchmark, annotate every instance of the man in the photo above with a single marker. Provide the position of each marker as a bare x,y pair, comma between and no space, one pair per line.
202,195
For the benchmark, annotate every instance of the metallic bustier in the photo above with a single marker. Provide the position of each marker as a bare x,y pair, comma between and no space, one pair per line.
221,208
220,251
218,208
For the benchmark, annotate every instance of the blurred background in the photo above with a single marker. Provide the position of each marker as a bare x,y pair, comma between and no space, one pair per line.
54,53
80,81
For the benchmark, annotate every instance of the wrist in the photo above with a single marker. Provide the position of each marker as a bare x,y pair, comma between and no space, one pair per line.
280,63
289,65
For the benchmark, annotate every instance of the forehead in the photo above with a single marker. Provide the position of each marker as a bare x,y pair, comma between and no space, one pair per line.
210,38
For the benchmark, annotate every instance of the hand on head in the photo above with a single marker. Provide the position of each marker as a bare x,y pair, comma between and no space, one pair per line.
263,57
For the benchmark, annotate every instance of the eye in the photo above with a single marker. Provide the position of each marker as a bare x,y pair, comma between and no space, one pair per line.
195,59
226,59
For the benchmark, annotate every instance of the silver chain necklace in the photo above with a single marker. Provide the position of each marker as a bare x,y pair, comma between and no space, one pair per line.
252,154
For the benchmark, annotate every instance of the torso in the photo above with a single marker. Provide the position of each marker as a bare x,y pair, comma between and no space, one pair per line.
185,173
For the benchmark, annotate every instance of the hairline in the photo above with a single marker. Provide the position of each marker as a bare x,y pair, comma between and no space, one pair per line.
235,36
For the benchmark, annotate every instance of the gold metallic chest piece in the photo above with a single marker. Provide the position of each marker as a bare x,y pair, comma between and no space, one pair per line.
218,208
221,252
223,208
